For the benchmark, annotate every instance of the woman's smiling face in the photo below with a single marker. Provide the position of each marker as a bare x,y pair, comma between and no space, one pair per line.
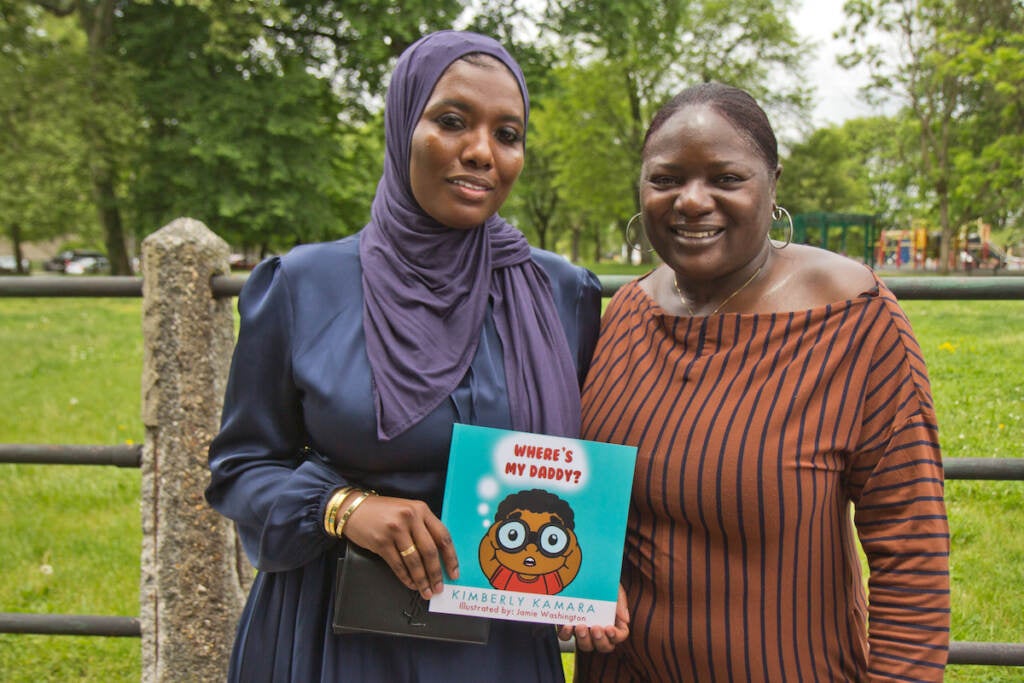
468,146
707,194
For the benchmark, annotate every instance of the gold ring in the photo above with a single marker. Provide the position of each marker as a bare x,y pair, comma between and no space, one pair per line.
408,551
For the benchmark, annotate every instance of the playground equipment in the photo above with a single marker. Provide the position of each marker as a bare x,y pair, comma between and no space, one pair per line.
916,247
850,234
976,252
899,248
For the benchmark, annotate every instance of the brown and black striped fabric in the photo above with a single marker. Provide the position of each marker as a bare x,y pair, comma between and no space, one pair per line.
763,441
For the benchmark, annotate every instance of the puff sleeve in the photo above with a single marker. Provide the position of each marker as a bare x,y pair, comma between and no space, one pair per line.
262,475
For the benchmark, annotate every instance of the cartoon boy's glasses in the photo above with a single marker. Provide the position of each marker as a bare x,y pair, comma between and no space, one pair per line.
551,539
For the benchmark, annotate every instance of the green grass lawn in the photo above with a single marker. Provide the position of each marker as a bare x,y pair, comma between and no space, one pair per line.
975,360
71,535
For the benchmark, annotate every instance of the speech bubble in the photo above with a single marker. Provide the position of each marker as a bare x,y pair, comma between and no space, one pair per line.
541,461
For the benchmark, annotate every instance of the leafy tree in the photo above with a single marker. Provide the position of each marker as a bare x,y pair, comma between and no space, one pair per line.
44,189
821,174
943,46
634,54
595,178
106,116
536,205
853,167
353,43
535,200
988,171
332,56
857,167
248,149
262,118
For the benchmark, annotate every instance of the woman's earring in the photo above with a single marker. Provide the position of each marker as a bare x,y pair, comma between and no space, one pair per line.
634,244
777,214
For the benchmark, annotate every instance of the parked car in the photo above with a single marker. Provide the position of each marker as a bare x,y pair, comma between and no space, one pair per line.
87,264
8,265
60,262
240,262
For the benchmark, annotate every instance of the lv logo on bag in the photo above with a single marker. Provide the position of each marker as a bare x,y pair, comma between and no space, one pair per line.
415,610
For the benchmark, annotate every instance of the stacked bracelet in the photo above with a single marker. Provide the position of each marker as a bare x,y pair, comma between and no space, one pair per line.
333,505
363,495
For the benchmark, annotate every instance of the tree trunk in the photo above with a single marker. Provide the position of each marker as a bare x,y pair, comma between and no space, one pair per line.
16,247
947,231
15,235
110,219
97,20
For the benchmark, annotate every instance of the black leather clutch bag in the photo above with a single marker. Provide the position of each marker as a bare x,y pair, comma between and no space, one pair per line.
369,598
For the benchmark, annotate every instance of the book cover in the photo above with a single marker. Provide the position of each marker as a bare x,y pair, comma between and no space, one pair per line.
538,523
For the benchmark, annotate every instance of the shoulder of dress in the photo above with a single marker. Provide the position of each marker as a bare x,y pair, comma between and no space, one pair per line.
309,274
562,272
322,262
340,253
550,261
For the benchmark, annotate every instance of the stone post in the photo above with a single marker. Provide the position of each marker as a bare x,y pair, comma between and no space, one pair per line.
193,580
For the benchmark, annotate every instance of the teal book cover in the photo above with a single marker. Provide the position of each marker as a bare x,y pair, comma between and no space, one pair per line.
538,523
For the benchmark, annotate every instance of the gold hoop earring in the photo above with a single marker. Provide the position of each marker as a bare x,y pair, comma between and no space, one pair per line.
778,213
634,244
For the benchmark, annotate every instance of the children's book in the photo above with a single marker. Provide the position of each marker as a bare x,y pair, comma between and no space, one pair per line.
538,523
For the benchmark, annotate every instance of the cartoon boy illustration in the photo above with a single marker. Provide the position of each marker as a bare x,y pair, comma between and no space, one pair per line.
531,547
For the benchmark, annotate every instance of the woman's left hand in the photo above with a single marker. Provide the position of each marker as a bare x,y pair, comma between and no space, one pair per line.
601,638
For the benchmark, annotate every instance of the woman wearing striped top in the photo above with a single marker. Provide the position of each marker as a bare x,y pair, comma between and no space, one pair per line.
780,404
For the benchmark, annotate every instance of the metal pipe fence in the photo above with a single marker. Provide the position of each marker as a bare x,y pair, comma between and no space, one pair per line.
224,286
980,288
52,454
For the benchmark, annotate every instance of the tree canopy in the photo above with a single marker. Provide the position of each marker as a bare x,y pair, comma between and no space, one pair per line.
44,190
956,72
263,119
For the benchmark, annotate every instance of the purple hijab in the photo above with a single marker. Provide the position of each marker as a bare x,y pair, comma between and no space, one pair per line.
427,286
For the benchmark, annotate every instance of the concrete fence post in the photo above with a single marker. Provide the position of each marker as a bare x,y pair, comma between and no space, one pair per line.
194,578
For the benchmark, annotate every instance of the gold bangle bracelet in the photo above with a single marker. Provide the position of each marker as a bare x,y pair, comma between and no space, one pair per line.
363,495
333,505
330,512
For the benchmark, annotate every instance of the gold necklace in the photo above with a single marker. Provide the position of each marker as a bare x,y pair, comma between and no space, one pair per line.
675,283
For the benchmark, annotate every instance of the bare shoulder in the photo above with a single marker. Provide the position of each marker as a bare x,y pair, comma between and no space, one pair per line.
822,277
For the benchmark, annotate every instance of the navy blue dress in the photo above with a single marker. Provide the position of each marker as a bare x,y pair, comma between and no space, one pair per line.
299,377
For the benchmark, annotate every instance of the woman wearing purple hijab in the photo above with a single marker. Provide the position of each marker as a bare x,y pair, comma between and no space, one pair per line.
356,357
